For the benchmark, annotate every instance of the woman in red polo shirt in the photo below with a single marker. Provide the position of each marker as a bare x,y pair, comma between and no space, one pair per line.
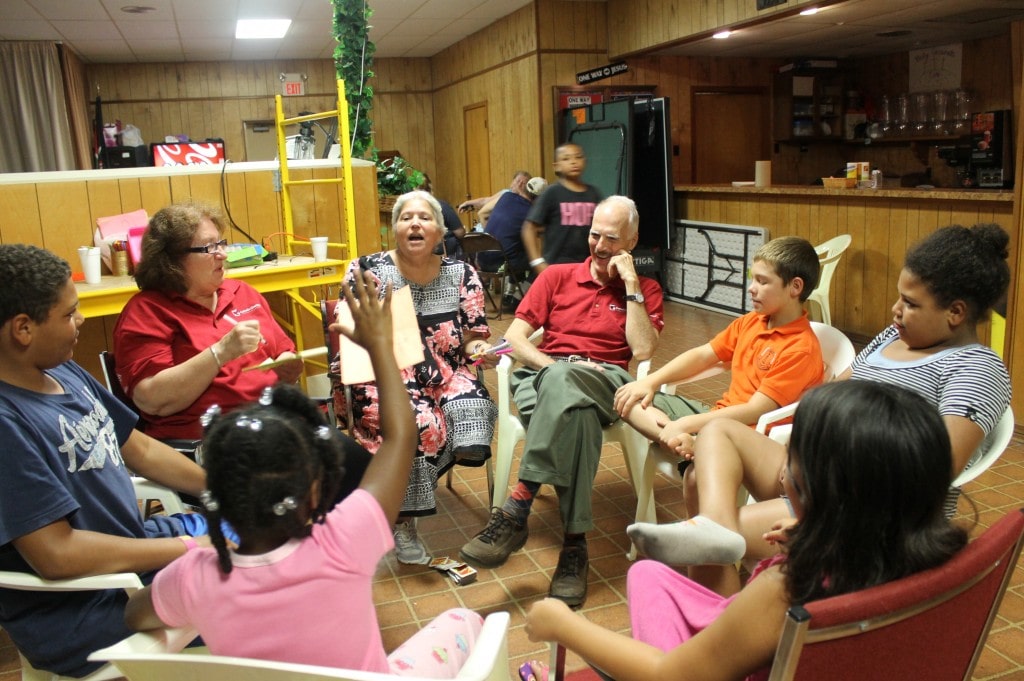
183,342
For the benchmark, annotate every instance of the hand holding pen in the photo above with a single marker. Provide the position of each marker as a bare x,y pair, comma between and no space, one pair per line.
490,354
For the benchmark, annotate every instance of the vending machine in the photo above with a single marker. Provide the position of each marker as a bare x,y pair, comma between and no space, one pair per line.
991,159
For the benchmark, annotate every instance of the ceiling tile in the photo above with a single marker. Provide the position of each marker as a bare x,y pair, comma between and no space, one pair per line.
80,10
93,30
415,27
29,30
147,29
206,10
395,9
18,10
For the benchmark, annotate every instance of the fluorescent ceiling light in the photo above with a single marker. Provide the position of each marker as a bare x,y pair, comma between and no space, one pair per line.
255,29
722,35
810,11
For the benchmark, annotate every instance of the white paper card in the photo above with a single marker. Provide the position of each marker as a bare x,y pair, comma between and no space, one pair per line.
355,362
803,86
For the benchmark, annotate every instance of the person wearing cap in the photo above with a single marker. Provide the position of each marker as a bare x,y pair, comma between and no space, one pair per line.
485,204
505,225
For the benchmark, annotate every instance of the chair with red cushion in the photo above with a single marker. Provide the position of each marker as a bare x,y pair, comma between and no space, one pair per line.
930,625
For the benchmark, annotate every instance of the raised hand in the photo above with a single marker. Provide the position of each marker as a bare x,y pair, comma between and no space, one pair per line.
371,316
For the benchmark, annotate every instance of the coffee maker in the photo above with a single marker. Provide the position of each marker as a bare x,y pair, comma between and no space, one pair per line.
985,157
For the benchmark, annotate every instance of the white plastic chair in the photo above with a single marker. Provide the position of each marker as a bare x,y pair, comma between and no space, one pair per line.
838,353
129,581
829,252
989,451
158,640
488,661
510,431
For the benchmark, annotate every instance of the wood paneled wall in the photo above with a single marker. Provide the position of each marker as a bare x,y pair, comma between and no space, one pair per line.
1014,355
677,78
495,67
61,216
864,286
572,37
403,112
645,24
206,99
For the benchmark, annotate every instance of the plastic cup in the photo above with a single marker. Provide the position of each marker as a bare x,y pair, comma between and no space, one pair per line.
319,244
762,173
90,258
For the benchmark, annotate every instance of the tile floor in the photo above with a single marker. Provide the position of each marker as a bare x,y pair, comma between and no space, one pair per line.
409,596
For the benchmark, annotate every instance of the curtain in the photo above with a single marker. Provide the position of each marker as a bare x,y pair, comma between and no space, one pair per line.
32,106
78,110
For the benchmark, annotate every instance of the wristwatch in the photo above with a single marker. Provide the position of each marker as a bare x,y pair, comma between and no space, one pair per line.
634,297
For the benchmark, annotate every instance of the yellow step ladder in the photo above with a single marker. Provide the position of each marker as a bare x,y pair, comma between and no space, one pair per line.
348,246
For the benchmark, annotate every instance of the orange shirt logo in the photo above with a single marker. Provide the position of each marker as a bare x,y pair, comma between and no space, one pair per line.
766,359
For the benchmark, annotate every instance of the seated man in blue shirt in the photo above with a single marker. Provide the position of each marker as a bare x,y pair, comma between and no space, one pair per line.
506,225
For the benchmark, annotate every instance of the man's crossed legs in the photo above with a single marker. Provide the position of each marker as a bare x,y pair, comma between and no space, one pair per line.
564,407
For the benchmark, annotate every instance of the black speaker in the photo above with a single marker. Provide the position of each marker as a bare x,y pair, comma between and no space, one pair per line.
125,157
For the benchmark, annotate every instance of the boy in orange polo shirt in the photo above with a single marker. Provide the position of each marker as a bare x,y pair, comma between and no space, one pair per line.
772,351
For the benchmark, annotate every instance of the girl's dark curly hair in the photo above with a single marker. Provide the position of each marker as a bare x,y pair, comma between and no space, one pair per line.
261,462
961,263
165,242
871,464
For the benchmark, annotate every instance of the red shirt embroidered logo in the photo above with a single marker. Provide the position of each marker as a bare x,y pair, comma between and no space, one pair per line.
766,359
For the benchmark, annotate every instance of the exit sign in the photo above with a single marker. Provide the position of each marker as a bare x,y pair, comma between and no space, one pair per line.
292,84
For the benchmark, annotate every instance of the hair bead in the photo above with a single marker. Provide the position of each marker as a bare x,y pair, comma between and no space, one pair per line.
285,505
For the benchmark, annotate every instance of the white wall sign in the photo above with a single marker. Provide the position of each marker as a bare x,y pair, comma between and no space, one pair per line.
293,84
936,68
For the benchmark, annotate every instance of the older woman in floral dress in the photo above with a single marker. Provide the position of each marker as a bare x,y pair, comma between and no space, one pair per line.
453,410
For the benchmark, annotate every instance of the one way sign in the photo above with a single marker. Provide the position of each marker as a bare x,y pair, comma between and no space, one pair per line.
600,73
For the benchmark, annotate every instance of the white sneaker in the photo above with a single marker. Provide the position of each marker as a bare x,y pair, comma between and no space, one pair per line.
408,547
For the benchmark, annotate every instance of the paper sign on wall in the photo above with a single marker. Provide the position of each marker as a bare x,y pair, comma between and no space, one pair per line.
355,362
936,68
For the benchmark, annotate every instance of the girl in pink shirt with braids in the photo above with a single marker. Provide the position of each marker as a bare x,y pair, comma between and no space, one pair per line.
298,587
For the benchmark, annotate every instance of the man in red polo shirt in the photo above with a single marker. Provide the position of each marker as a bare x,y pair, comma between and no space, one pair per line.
596,315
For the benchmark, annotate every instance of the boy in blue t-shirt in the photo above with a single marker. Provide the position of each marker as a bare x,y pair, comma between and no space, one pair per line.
562,214
67,505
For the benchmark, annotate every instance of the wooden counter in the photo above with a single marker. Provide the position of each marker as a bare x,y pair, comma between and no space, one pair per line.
58,210
883,223
944,194
287,272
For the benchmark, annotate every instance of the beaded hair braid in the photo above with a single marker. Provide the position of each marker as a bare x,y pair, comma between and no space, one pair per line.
260,464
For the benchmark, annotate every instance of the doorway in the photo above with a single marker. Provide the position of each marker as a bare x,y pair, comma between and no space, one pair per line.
730,133
478,151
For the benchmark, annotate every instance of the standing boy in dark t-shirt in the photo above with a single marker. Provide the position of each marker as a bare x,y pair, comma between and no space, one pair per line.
562,214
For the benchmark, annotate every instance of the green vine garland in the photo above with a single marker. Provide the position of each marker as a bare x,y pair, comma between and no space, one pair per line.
353,57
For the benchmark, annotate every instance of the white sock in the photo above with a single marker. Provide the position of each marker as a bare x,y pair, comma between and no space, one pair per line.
697,541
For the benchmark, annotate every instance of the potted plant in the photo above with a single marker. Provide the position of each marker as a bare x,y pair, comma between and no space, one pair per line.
394,177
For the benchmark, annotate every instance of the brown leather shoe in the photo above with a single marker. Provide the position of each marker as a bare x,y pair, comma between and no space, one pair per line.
569,583
492,546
